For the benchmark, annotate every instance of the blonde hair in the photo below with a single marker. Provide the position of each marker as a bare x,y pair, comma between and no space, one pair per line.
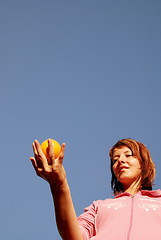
140,151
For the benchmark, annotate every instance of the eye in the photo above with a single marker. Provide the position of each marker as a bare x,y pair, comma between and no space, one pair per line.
128,155
114,161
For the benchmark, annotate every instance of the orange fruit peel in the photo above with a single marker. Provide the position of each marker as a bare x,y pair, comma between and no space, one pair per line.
56,146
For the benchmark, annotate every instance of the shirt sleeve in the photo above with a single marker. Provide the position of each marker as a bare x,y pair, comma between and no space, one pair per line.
86,222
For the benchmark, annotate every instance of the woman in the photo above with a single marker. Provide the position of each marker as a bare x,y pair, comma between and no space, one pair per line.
133,214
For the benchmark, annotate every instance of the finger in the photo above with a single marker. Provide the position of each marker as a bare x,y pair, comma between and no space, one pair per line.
39,155
35,165
61,155
39,151
33,161
37,169
34,148
50,152
36,159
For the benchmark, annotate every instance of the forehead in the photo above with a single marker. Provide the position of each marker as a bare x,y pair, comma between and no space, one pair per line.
121,150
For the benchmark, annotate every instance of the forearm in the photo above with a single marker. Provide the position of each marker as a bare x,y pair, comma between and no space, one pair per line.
65,213
52,170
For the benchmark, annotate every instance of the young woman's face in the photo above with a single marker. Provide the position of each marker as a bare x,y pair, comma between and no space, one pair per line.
126,168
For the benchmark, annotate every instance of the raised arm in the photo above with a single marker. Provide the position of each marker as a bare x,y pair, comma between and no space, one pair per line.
51,169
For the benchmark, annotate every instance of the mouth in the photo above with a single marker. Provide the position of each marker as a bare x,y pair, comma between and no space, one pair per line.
123,168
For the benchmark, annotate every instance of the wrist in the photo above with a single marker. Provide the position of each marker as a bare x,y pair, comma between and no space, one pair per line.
59,189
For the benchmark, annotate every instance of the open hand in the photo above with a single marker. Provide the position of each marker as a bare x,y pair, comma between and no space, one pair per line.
51,169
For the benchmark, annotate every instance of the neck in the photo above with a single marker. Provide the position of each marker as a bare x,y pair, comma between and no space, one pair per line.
131,191
133,188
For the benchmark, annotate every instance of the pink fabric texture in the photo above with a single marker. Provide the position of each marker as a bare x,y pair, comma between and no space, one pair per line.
124,217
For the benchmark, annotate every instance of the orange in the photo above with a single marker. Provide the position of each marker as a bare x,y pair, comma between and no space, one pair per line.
56,146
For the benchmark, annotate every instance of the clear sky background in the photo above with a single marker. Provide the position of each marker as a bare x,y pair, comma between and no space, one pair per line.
86,73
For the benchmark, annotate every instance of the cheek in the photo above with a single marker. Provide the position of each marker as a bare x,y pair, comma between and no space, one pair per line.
138,166
134,163
114,170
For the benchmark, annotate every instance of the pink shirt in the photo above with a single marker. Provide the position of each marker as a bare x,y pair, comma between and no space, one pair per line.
124,217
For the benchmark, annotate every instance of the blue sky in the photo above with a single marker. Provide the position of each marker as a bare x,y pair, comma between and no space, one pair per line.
86,73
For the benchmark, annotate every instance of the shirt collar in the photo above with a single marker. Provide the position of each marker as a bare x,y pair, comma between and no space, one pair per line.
154,193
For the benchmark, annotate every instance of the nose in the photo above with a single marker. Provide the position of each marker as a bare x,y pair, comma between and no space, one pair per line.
122,160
